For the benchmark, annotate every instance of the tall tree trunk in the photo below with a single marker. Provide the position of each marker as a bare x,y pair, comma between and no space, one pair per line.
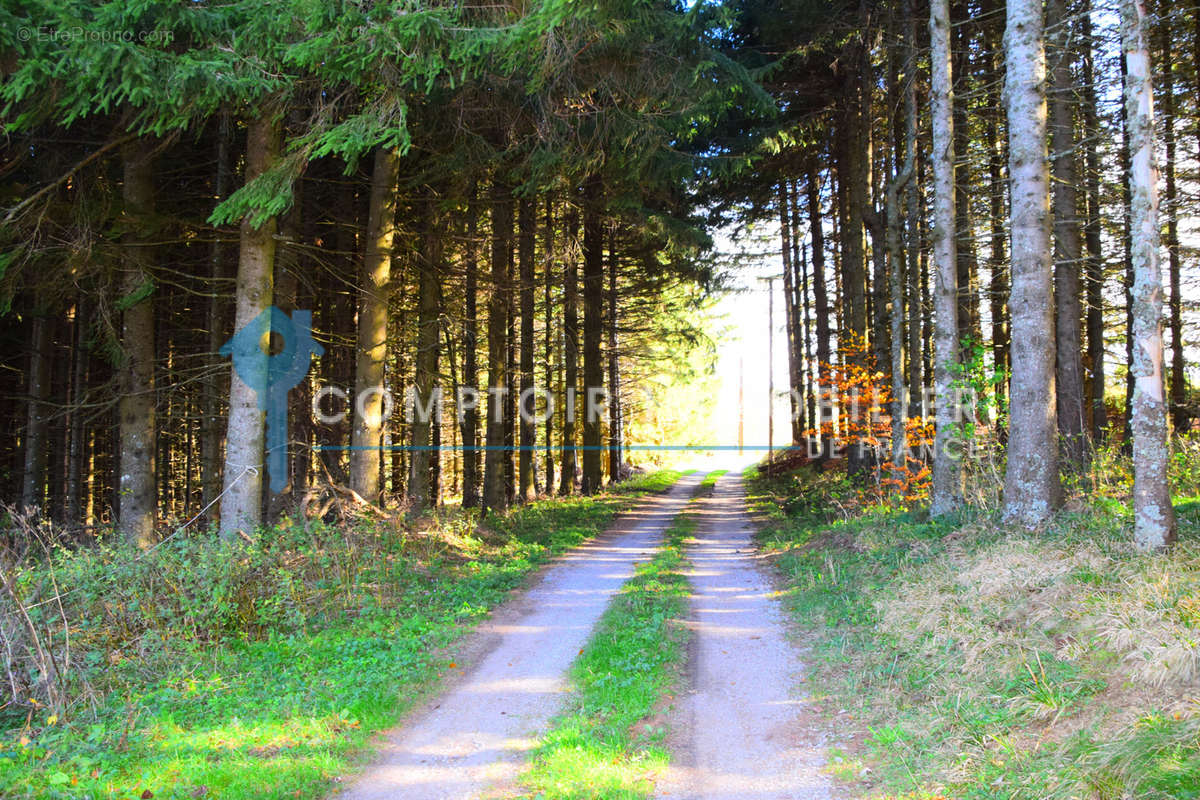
494,495
1031,483
570,350
801,308
593,324
789,312
947,473
429,264
1153,515
549,344
1067,250
1091,231
73,511
854,170
924,255
820,300
137,404
289,254
37,389
615,440
470,378
526,222
371,346
1127,241
214,389
896,296
997,192
966,259
512,377
1178,406
241,503
914,208
435,429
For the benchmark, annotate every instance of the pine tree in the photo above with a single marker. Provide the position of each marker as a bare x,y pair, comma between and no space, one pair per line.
1032,491
946,492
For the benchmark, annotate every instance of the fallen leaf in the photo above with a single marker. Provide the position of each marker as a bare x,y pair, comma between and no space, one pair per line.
146,795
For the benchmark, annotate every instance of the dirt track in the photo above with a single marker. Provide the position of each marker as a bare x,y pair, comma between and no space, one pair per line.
473,739
739,733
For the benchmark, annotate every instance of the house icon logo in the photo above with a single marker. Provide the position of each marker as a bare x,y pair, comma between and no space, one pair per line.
272,375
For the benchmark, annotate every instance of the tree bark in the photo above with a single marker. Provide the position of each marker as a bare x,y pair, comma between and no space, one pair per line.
136,408
1153,516
527,490
802,311
1091,231
37,390
615,440
429,265
1179,411
966,259
241,503
495,498
548,319
593,322
1127,242
789,312
73,504
820,300
914,208
371,346
1067,250
896,291
946,490
511,372
1032,491
214,389
854,171
997,191
570,351
470,378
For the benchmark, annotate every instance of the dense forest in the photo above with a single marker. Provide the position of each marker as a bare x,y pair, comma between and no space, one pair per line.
328,322
478,197
520,197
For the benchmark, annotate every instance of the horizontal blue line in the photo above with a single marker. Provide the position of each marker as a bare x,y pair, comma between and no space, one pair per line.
556,448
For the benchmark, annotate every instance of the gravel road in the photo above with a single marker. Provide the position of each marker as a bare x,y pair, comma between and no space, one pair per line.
739,734
473,739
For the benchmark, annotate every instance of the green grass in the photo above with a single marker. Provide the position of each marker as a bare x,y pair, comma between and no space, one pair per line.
280,707
961,659
608,744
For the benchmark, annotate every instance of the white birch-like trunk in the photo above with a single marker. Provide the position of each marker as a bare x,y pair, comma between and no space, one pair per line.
947,469
1153,515
241,502
1032,491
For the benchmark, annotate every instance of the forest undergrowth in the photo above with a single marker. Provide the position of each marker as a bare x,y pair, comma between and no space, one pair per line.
960,658
258,669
